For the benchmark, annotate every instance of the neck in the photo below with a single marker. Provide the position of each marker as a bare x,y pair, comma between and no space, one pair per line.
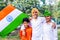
34,17
27,27
48,22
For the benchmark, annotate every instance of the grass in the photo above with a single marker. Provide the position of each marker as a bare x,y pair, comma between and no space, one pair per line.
10,38
17,37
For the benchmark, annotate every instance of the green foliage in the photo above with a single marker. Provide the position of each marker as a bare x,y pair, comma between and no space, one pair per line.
26,5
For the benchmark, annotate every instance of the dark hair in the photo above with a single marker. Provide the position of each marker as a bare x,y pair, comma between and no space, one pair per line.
26,19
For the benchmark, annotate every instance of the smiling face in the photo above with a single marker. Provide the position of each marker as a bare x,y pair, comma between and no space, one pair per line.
26,24
35,13
48,18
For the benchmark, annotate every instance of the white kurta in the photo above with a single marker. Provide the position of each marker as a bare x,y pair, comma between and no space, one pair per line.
55,34
48,32
37,28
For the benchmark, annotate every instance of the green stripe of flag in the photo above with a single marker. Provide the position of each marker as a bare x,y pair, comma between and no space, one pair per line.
13,25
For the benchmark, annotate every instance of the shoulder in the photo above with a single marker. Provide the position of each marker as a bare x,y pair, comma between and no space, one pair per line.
53,23
30,28
41,18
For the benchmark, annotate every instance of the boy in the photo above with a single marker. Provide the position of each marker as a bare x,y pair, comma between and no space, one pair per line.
48,28
26,33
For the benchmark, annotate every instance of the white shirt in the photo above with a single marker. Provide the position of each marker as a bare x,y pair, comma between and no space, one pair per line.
55,34
37,28
48,32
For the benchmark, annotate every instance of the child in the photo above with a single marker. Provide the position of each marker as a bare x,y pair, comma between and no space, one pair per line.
26,33
48,28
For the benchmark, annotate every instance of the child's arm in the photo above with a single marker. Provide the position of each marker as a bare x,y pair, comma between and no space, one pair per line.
22,35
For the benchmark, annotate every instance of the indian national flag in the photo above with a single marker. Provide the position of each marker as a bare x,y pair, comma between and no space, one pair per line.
10,19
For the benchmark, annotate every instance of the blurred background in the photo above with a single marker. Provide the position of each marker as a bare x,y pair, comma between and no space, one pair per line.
26,6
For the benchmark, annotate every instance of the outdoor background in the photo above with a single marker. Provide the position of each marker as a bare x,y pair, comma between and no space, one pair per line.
26,6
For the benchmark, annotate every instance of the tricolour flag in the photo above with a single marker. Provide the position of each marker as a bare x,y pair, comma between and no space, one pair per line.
10,19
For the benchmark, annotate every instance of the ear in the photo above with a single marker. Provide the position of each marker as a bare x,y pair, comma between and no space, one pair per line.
51,17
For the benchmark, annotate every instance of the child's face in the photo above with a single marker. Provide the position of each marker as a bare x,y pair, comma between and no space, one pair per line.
26,24
48,18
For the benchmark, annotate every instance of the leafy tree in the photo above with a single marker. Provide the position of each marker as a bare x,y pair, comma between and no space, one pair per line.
26,5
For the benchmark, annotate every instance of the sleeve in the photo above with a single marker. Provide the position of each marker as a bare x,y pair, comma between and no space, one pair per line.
22,37
55,31
20,34
55,34
43,19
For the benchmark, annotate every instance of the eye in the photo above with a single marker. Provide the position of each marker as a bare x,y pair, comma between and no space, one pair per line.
36,12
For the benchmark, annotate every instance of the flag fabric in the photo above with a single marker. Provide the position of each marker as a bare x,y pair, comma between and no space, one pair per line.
10,19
